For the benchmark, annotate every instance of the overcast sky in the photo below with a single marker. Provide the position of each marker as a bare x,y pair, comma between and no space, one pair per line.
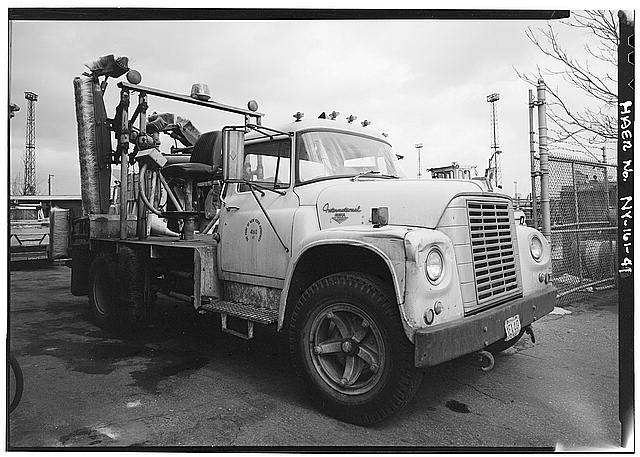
419,81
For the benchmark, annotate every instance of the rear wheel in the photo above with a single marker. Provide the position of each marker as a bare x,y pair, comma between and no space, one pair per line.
105,306
118,291
349,347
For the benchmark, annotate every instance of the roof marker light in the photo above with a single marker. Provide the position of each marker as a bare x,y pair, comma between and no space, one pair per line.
298,116
351,118
365,123
323,115
333,115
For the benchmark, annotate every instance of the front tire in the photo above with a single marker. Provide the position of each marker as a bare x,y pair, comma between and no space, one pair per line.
348,346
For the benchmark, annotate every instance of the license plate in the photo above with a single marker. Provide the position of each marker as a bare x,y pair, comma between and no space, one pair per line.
512,327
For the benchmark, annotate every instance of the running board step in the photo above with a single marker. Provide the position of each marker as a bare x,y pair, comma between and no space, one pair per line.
238,310
251,313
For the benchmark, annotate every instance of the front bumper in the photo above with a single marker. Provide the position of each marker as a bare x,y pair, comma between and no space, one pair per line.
454,339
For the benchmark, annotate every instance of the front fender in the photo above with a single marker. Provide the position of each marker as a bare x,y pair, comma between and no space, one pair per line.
387,242
420,293
530,269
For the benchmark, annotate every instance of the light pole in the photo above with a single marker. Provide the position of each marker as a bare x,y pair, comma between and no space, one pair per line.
419,148
515,194
50,176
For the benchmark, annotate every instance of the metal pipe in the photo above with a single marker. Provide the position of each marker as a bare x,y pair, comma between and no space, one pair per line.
576,208
123,146
170,194
187,99
212,222
532,151
142,191
189,221
584,286
606,178
142,220
544,160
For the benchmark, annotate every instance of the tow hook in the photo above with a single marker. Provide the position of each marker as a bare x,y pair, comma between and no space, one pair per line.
486,360
529,331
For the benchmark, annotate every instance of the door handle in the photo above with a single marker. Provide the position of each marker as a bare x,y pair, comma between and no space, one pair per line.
232,208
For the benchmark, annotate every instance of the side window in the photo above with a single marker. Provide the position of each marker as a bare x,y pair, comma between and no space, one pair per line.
267,163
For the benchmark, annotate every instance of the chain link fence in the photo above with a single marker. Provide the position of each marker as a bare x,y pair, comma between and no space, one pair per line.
583,196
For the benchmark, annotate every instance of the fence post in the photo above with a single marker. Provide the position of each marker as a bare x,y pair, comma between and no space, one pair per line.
532,149
606,178
544,160
575,204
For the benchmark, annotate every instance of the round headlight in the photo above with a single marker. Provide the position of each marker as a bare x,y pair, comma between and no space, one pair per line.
434,265
535,246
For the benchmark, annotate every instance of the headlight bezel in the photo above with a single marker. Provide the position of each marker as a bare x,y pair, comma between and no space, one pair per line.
435,250
533,239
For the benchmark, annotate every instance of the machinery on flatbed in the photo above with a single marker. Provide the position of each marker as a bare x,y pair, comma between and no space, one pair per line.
29,232
306,228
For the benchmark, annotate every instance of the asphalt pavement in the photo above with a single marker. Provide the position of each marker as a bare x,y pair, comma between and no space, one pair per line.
183,383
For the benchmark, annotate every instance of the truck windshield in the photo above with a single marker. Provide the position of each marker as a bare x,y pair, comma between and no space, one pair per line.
327,154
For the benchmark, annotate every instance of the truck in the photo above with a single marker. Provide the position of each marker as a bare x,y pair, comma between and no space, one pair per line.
29,232
306,228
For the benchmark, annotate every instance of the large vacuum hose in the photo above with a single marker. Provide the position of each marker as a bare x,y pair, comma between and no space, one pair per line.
94,146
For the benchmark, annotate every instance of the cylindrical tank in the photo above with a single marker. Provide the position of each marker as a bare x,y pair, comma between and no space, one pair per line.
59,233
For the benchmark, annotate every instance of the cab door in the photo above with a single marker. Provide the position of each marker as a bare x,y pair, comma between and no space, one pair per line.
251,249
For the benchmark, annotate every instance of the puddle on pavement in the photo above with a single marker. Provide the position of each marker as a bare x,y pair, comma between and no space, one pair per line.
160,368
457,406
87,437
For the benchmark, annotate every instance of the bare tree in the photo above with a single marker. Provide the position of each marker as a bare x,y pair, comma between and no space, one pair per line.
594,124
17,184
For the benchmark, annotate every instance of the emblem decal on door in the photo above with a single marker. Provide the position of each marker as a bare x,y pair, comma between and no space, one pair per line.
253,230
339,218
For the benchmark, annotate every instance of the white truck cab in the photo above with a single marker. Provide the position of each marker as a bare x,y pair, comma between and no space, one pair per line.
462,275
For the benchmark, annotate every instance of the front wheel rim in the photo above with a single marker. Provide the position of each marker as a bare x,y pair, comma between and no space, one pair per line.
347,349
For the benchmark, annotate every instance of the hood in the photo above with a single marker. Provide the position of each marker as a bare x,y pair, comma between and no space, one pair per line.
418,203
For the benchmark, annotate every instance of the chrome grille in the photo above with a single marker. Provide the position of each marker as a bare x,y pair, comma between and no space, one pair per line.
494,253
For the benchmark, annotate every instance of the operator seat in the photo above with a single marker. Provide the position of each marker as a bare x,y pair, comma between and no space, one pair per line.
205,164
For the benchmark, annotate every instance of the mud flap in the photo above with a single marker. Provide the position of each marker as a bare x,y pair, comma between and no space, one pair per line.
80,260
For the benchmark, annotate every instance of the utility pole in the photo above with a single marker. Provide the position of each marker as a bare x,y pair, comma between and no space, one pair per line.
544,160
495,155
515,194
50,176
532,151
30,145
419,148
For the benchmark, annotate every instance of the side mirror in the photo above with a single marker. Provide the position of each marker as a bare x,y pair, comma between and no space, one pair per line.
233,155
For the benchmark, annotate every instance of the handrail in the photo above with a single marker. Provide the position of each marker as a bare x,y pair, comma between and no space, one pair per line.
188,99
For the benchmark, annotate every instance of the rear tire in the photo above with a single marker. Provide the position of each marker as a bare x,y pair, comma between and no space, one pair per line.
118,291
133,278
103,298
348,345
